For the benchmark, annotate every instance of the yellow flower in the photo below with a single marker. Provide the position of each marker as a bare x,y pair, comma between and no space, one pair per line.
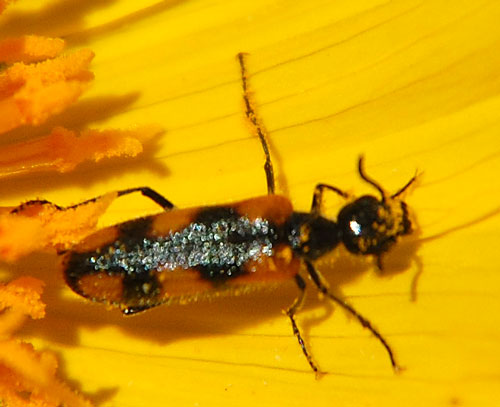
411,85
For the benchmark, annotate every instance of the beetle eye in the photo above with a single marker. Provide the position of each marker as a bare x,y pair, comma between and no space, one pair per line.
355,227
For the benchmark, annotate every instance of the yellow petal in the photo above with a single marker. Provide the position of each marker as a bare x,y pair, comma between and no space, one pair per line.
411,85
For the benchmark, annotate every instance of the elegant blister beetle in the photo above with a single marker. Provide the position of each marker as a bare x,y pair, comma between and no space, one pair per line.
183,255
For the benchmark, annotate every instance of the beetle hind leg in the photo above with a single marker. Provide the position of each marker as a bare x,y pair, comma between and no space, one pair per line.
290,312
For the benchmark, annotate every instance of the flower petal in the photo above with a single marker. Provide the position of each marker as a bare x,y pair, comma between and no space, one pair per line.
412,86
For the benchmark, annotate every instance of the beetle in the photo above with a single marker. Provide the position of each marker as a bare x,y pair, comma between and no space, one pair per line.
183,255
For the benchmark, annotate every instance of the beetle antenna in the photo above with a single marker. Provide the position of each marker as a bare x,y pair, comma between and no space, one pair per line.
405,187
370,181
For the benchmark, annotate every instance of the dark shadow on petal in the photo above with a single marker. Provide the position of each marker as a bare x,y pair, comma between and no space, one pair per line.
77,117
88,173
84,36
55,19
346,268
98,397
68,313
67,19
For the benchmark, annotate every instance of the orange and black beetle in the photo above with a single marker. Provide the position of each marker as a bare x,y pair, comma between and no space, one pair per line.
183,255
